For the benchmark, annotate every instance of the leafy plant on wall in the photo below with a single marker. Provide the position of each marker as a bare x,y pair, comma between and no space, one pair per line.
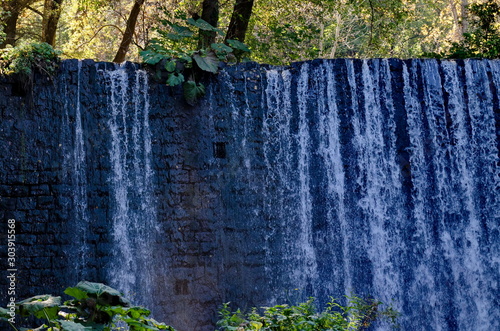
175,49
24,58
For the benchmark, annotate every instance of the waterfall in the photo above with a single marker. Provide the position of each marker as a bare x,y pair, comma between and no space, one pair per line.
80,183
75,165
287,196
386,185
378,178
329,148
133,206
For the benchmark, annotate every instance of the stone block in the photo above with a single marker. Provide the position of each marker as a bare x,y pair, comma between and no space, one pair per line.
28,203
45,202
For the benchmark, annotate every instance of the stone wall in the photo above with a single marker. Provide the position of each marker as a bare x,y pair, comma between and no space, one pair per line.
193,159
378,177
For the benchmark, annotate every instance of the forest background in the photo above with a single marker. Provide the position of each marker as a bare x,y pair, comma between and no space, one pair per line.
277,31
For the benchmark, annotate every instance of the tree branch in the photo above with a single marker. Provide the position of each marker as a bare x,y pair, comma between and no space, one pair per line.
99,30
35,10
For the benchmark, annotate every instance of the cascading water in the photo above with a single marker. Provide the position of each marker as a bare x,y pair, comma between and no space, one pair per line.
376,178
286,156
133,207
75,163
398,203
80,182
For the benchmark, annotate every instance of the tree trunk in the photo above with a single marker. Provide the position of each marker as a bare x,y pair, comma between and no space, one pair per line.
15,8
210,13
10,29
338,24
129,32
239,20
465,21
51,15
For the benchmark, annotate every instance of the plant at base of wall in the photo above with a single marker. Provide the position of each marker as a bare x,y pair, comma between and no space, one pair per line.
95,307
173,49
358,314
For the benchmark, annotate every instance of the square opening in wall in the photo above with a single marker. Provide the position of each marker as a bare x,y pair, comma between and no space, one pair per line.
220,150
19,89
181,287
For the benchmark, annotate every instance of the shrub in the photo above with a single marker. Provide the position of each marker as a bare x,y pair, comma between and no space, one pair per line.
94,306
358,314
26,57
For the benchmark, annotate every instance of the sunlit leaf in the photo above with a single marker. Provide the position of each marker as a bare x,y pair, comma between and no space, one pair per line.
139,326
41,306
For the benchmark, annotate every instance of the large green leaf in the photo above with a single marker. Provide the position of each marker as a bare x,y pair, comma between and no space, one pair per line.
221,48
41,306
105,294
139,325
97,288
203,25
72,326
184,30
151,57
4,314
193,91
42,327
76,293
170,66
236,44
176,36
175,79
209,63
180,32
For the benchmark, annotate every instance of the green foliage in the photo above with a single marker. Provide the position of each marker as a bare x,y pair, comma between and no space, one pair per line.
483,40
176,49
192,91
40,306
95,307
24,58
3,15
358,314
